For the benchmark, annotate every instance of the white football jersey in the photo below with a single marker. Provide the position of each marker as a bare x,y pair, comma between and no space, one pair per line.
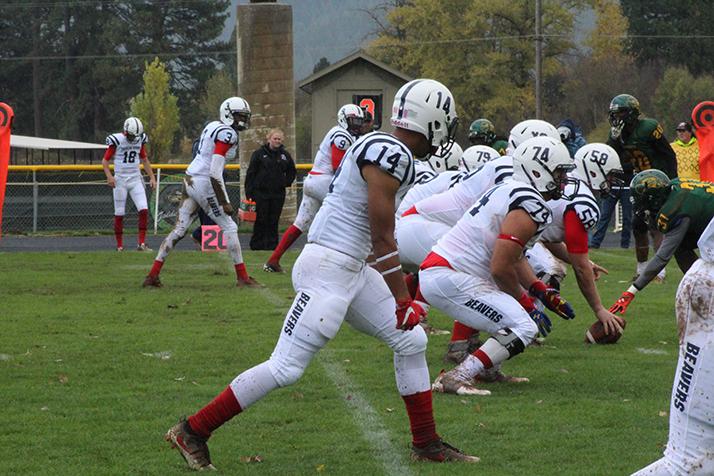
323,159
342,223
214,132
581,200
468,246
449,206
424,172
126,155
438,184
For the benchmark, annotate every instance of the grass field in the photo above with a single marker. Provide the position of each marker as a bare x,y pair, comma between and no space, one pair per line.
94,369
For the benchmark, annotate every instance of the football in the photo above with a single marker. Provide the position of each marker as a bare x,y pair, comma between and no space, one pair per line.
596,333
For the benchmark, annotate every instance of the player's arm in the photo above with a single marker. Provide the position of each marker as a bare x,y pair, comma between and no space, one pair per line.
517,228
558,250
147,166
576,243
672,239
109,155
442,207
338,147
381,192
218,163
664,150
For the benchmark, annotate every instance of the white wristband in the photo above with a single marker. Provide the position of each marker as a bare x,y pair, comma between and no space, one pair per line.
391,270
387,256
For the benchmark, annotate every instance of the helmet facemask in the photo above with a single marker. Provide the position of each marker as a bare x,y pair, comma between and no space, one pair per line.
241,120
443,148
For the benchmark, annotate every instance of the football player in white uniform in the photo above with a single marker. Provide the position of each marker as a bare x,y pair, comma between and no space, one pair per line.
574,214
475,156
333,282
691,413
203,187
475,272
350,119
128,149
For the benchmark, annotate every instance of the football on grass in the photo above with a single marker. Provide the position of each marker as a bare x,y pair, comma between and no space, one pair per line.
596,333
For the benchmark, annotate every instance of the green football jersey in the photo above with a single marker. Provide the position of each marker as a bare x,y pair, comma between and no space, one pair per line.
646,148
688,198
500,145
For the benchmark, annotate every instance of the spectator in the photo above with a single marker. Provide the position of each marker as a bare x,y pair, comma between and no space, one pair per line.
572,135
607,207
687,149
271,170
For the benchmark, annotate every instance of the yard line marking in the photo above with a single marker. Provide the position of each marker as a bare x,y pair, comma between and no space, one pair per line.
363,413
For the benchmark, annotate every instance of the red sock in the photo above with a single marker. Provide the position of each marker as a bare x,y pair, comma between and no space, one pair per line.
156,268
484,358
119,230
143,218
220,410
461,332
291,234
412,282
241,272
421,418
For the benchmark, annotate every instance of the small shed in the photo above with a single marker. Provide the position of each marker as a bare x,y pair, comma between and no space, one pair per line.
358,79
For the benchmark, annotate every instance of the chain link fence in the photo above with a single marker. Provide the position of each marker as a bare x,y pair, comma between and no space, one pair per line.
66,199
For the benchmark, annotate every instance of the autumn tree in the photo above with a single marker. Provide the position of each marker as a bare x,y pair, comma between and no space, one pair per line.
678,93
218,87
157,108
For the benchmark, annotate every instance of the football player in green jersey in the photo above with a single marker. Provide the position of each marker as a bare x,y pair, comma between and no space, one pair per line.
681,209
641,142
483,132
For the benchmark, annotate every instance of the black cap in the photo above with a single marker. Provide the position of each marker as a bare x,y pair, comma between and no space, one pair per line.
684,126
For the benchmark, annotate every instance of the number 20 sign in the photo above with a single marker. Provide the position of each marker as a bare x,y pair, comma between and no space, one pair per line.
212,238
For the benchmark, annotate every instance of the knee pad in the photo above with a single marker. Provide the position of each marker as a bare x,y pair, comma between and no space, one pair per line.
286,370
513,344
410,343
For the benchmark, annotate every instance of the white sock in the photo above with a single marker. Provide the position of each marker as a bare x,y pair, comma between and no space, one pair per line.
412,373
469,368
662,274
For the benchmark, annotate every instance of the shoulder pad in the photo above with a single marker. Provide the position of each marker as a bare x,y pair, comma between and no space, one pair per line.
389,154
225,134
341,139
112,139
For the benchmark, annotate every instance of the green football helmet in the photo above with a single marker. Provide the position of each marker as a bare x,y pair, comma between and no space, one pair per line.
650,189
482,132
624,111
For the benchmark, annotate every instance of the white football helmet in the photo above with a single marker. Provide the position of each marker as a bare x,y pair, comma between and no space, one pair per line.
475,156
544,163
599,166
450,161
529,129
351,117
133,127
427,107
235,112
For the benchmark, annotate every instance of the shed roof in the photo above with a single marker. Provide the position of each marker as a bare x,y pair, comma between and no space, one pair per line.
40,143
306,84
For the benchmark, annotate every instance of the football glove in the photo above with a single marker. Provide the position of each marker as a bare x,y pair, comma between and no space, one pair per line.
541,320
551,298
621,304
409,313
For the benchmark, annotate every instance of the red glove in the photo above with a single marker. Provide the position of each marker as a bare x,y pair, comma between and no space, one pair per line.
621,304
551,298
409,313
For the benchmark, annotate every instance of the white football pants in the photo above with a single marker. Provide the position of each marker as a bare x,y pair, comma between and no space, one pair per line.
475,302
199,193
690,449
133,186
544,264
332,287
415,237
314,189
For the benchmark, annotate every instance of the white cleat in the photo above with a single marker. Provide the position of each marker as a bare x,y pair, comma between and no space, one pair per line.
449,382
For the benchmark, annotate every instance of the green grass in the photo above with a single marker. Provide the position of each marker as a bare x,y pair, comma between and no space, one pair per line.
94,369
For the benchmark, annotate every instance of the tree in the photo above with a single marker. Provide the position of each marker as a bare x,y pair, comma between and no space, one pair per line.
219,87
486,57
665,32
320,65
158,110
678,93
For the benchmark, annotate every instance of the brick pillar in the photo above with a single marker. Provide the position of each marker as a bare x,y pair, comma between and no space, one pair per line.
265,80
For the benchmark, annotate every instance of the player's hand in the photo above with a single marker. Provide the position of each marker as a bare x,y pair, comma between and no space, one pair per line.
551,298
610,322
152,183
228,209
541,320
111,182
598,270
621,304
410,313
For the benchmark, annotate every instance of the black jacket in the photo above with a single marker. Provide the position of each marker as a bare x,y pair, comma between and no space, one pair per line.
269,172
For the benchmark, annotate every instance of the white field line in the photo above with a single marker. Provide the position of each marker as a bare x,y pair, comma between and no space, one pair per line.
363,413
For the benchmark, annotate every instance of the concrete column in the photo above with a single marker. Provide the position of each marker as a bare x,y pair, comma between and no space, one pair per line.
265,80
